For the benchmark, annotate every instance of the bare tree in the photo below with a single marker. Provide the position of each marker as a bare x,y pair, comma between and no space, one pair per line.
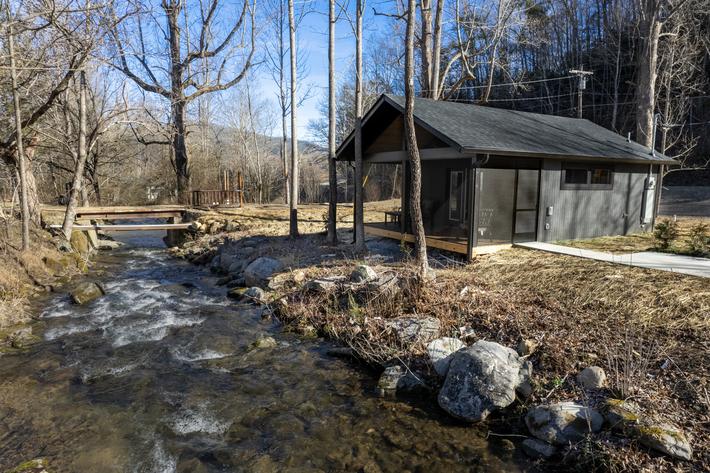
24,205
412,148
332,173
193,70
293,215
359,215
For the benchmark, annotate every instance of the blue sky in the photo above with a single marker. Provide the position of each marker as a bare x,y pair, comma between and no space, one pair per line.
312,38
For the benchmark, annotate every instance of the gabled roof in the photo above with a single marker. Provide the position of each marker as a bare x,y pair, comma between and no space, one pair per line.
482,129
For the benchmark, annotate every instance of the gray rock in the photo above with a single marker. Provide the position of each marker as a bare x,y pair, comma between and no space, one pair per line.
592,377
363,274
666,439
86,292
535,448
563,422
481,379
235,282
441,351
236,267
396,379
260,270
109,244
411,329
256,294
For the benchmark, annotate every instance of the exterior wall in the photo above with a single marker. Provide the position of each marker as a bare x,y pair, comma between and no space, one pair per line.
590,213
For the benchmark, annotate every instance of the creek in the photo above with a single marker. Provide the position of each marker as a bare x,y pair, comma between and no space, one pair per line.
158,376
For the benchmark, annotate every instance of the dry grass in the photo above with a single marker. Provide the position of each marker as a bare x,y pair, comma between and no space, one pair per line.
640,241
650,330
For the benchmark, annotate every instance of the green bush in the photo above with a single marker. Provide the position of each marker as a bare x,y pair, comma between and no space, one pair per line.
699,239
665,233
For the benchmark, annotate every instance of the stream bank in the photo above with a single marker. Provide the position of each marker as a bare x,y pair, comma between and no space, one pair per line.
162,374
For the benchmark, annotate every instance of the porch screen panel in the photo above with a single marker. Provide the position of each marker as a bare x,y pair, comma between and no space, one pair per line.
496,207
526,205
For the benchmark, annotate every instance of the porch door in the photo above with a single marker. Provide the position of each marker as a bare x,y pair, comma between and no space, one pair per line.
507,206
526,193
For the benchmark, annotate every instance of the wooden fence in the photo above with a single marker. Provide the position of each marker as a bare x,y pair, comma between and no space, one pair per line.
213,198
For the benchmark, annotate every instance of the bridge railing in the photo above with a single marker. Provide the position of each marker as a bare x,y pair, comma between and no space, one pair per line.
213,198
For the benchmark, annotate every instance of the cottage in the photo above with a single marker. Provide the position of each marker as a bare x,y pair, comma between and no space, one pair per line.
494,177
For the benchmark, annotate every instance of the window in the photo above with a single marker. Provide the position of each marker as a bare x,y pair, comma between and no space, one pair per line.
575,176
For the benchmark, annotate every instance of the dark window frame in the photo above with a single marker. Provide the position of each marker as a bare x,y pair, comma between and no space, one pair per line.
590,168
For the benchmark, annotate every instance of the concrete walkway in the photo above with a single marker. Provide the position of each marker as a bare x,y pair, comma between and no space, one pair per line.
647,259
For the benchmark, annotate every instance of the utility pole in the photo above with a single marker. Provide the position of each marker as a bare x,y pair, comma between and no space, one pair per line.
581,85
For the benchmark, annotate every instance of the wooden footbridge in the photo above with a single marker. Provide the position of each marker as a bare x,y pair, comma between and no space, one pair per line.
92,218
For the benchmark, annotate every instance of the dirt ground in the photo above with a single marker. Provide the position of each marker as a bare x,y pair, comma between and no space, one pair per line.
648,329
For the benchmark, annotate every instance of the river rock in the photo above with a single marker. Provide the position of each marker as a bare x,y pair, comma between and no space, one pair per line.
260,270
666,439
325,284
535,448
441,351
264,342
80,242
481,379
563,422
38,465
592,377
362,274
86,292
105,245
412,329
396,379
256,294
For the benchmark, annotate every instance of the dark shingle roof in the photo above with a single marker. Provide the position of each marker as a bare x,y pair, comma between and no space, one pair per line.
493,130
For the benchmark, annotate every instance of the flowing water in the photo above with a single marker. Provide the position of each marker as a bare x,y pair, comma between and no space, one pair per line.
157,376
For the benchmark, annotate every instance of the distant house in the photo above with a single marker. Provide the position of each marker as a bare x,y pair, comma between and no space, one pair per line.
493,177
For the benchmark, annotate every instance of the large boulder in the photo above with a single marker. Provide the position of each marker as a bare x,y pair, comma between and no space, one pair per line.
260,270
441,351
86,292
482,378
563,422
412,329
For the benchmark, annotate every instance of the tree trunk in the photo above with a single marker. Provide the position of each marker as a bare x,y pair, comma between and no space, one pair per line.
24,204
78,179
284,111
436,56
646,73
182,163
425,49
293,217
412,149
332,174
178,104
359,217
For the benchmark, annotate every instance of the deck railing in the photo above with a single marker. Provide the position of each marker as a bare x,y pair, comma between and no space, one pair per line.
213,198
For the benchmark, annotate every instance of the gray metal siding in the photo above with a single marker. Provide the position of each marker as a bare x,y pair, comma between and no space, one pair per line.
590,213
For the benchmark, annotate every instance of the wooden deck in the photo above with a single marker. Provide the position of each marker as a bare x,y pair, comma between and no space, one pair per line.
453,244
